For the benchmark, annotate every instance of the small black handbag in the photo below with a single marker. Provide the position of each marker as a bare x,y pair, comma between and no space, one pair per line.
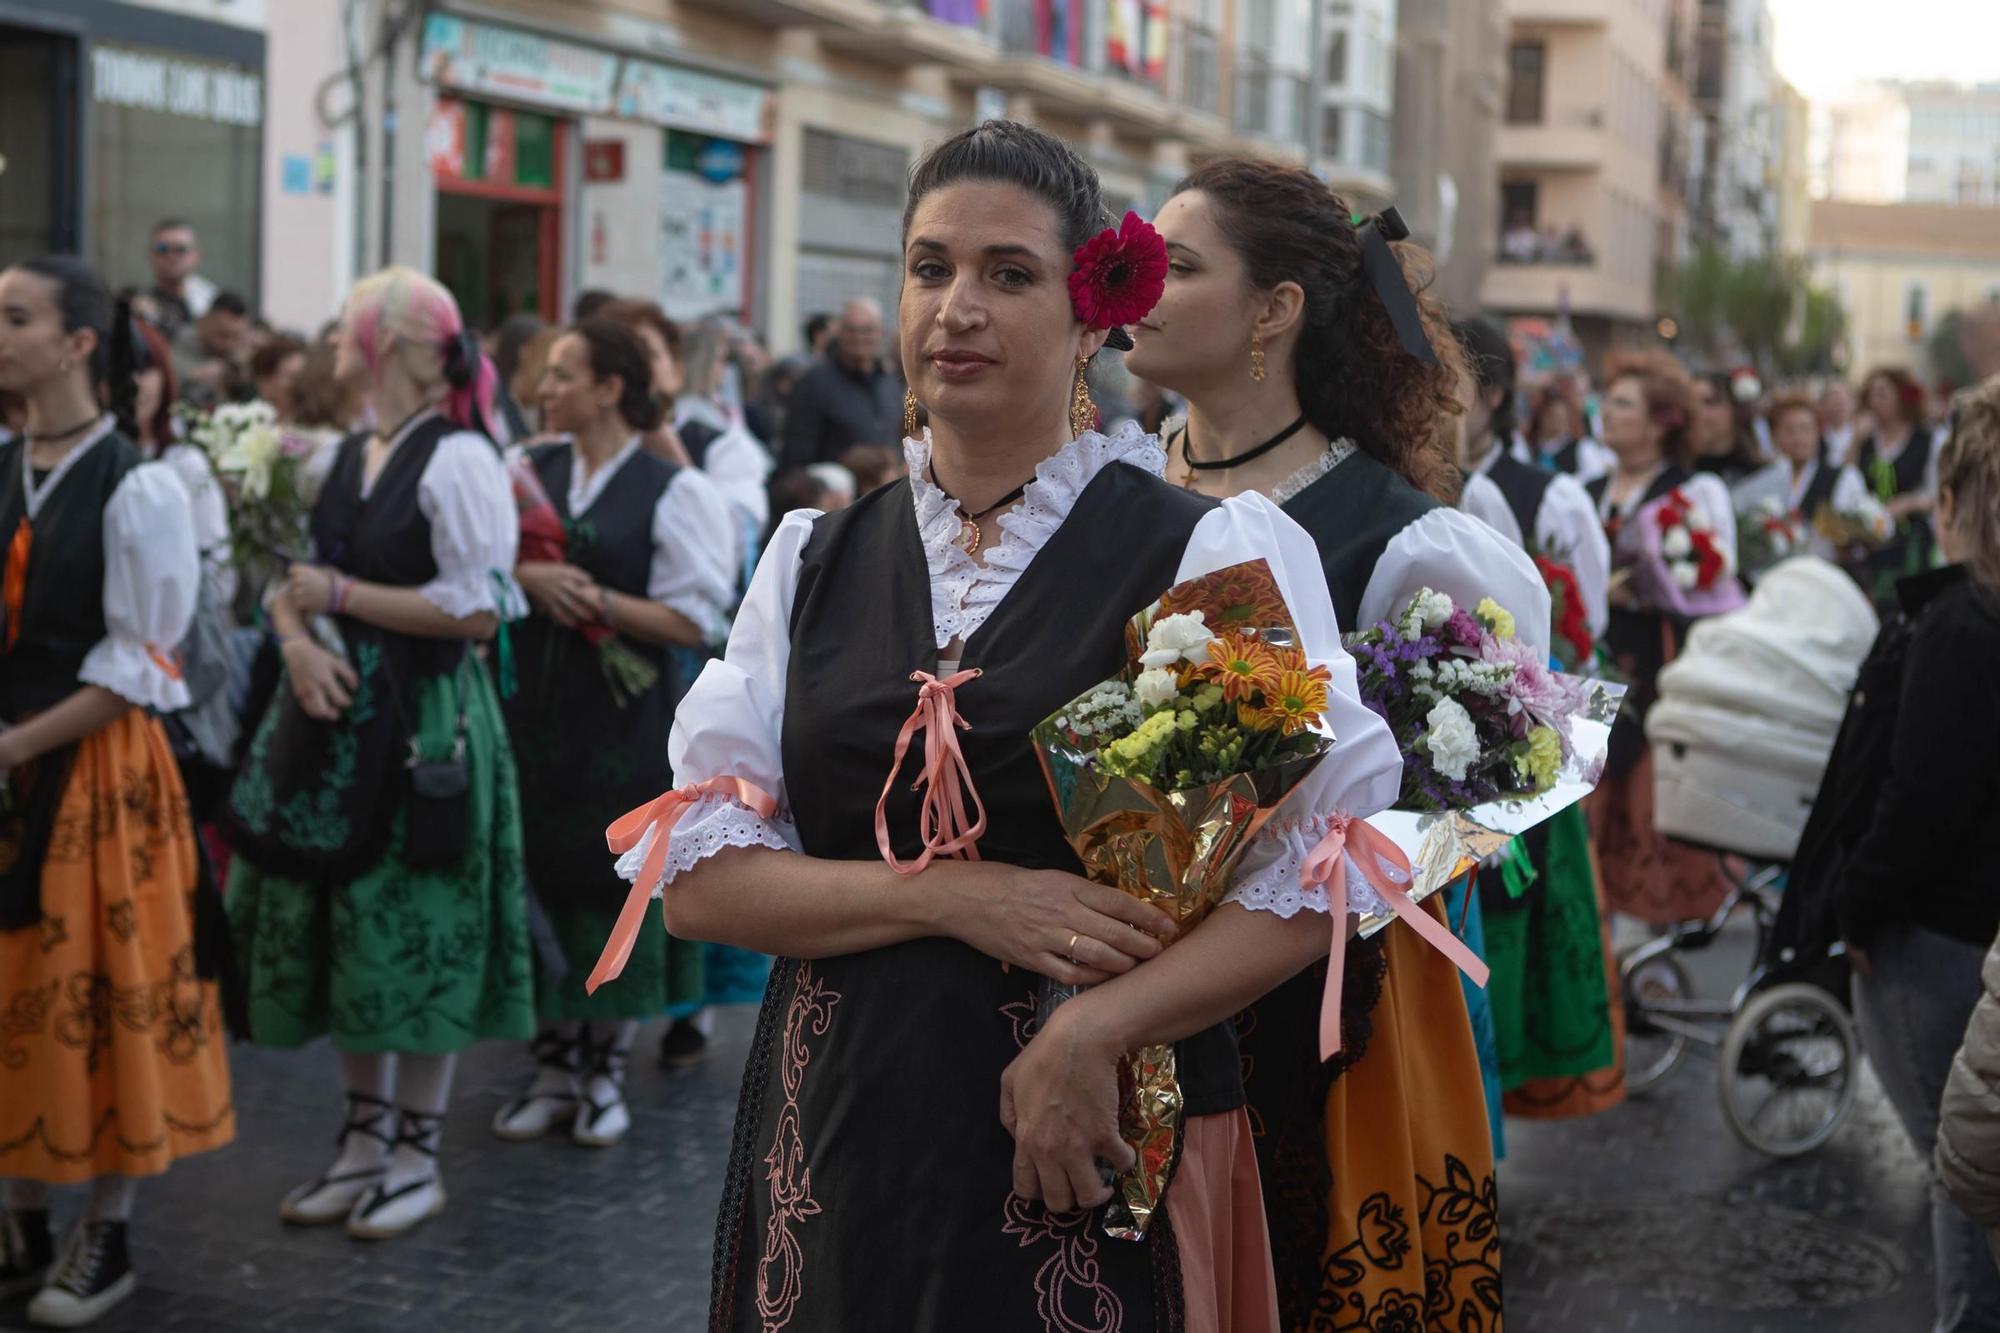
437,807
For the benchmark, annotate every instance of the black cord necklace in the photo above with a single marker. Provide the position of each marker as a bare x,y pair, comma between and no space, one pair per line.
1250,455
968,524
51,436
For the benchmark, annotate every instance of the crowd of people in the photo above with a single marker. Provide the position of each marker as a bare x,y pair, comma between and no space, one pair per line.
359,787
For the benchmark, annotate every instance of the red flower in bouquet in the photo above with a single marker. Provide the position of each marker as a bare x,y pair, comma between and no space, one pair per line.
1688,543
1120,274
1566,601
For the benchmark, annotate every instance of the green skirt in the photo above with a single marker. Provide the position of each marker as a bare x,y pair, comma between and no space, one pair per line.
662,970
423,962
1551,1002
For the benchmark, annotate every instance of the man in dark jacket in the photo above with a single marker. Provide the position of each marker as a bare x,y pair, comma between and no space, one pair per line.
850,397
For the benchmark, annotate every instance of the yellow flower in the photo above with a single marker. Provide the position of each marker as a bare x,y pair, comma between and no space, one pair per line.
1542,759
1496,617
1296,702
1241,666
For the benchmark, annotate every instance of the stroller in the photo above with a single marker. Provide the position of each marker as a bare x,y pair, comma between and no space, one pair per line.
1746,719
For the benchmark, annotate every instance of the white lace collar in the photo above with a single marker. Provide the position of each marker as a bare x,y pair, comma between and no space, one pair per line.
1336,453
965,592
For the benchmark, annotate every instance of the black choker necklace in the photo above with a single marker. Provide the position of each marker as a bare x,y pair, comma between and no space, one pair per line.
49,437
968,524
1224,464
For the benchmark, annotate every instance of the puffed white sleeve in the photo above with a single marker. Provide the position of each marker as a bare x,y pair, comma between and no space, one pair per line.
1567,528
1454,553
152,575
694,554
1712,496
732,722
739,465
211,512
475,529
1363,771
1483,499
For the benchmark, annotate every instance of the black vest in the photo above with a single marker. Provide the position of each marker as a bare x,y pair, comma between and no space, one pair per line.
1910,465
62,608
861,623
696,436
1568,458
1353,513
1819,491
1523,485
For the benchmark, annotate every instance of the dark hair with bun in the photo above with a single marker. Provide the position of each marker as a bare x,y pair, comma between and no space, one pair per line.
1354,378
1010,153
613,349
1489,359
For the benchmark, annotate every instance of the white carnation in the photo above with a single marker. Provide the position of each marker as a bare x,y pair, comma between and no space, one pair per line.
1676,543
1156,688
1451,739
1182,638
1433,609
1685,574
1698,521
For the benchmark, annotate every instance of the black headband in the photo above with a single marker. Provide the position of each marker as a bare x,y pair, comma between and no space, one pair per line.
1385,275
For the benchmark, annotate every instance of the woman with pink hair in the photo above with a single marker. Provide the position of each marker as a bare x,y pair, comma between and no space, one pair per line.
378,891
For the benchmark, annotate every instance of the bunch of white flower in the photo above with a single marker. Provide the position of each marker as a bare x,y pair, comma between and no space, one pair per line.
243,442
1427,612
1156,688
1108,708
1451,739
1176,639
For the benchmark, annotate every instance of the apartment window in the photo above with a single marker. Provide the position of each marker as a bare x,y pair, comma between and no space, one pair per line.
1330,145
1374,140
1336,56
1253,96
1519,205
1525,64
1201,77
1916,310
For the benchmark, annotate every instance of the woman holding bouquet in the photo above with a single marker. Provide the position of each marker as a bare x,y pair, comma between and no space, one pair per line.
1816,493
1300,386
1898,460
647,562
114,1058
377,892
1648,407
911,1149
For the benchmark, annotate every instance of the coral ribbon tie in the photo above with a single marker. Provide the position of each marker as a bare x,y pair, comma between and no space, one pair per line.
945,781
1327,865
660,814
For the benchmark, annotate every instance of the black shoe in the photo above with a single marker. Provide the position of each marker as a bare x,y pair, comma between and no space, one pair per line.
93,1274
27,1248
683,1044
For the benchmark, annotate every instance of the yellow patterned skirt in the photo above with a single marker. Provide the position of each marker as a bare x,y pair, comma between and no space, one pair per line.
112,1052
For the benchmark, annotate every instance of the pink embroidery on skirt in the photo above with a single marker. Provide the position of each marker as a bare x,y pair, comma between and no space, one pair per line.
1070,1274
781,1270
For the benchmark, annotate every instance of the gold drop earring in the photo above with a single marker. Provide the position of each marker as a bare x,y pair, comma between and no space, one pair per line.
1082,412
909,414
1256,358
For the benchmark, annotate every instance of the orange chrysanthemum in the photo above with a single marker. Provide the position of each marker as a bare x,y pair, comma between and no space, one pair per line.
1235,597
1296,702
1241,666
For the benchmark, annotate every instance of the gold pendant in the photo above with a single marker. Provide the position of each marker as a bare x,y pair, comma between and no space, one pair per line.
968,535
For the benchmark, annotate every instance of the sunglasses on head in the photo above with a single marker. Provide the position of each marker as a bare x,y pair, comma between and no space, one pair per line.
171,248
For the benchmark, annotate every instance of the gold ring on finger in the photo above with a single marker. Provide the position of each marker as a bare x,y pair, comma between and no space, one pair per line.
1072,948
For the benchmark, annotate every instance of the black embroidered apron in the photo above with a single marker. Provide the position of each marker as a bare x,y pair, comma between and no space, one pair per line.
870,1182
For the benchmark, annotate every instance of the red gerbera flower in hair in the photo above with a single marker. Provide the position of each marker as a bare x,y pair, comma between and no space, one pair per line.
1120,274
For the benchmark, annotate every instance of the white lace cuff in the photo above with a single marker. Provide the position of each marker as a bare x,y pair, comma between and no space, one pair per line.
136,673
1267,879
705,828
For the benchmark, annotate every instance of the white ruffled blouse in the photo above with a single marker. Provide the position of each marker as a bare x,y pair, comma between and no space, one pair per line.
1567,529
475,527
732,721
152,574
694,564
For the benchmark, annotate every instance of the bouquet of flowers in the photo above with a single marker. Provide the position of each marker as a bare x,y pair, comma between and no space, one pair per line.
1867,528
1766,533
544,537
1493,741
263,471
1677,565
1575,644
1162,775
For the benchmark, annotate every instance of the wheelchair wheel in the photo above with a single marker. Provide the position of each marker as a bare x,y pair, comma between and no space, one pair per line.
1789,1068
1652,1053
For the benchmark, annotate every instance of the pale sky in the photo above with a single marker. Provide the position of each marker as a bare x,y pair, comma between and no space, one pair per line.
1824,47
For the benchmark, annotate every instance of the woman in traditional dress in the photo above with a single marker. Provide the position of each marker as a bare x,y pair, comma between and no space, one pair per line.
1648,406
1558,1021
1723,431
1898,460
113,1050
911,1150
1807,484
646,562
1300,386
377,894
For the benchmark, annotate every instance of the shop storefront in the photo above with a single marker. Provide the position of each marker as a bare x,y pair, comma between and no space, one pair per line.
115,116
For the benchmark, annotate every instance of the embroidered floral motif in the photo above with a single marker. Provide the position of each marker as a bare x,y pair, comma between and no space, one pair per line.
1070,1293
781,1270
1460,1254
27,1013
55,933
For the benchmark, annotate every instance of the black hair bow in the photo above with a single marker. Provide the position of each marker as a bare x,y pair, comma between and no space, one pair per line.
1385,275
461,359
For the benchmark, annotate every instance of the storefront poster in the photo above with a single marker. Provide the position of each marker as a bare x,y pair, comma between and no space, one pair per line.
691,100
481,58
444,138
702,243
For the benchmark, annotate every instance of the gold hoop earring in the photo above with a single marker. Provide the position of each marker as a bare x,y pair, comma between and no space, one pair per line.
909,414
1256,358
1082,412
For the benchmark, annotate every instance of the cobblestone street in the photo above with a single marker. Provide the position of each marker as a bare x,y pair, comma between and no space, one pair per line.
1649,1219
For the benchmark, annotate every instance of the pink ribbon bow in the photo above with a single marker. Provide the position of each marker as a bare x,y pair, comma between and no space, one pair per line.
629,829
945,781
1327,865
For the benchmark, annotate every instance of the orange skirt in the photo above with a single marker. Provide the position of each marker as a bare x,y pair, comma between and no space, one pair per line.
112,1049
1414,1237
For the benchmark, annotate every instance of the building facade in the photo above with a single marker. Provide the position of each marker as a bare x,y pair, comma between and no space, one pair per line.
1900,268
1954,144
1451,64
1741,138
1353,141
1579,151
